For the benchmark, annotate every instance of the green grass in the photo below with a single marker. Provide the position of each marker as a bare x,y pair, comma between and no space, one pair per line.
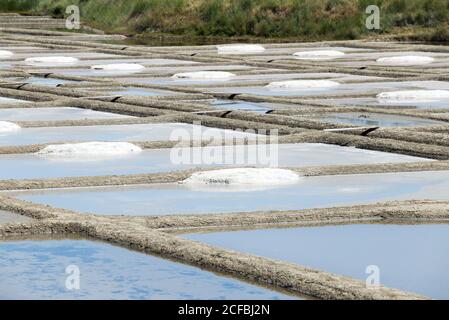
303,19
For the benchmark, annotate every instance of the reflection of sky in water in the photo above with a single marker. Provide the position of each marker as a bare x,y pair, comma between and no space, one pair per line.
374,102
387,120
51,82
349,88
56,113
10,100
36,270
135,132
240,78
240,105
26,166
311,192
410,257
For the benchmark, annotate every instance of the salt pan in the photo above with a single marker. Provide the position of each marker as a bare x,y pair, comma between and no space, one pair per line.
302,84
51,60
240,49
90,150
413,96
204,75
318,55
406,60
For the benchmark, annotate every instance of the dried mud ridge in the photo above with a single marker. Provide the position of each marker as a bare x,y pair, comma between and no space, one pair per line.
296,118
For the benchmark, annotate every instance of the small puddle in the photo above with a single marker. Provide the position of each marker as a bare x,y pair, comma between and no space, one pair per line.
413,258
310,192
37,270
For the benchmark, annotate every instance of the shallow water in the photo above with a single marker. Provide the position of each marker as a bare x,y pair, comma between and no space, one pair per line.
30,166
350,88
57,113
410,257
49,82
239,105
37,270
378,120
310,192
10,100
443,104
134,132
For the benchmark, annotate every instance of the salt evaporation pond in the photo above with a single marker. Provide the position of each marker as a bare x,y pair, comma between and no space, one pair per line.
55,113
49,82
436,104
4,100
309,192
135,132
32,166
343,88
37,270
377,119
247,78
240,105
413,258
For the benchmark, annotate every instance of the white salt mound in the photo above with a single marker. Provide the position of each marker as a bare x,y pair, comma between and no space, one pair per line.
119,67
406,60
90,149
413,96
244,176
204,75
6,126
301,84
5,54
240,48
51,60
318,55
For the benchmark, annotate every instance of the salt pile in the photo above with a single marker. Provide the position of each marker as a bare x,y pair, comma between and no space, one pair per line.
301,84
90,150
133,67
6,126
51,60
204,75
244,176
318,55
5,54
240,49
406,60
413,96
